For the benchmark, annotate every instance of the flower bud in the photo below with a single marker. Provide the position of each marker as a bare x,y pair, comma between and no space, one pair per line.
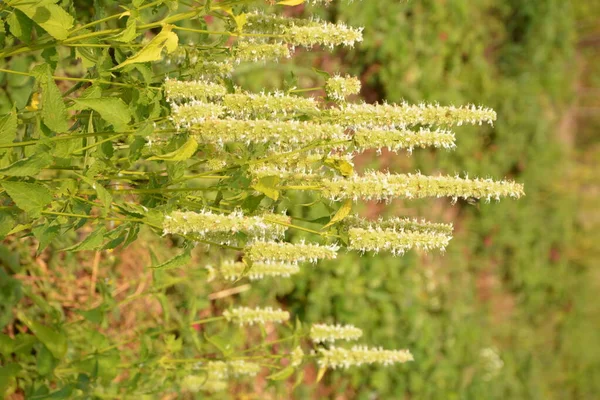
282,135
194,112
402,115
336,357
397,139
338,87
290,252
259,270
254,52
383,186
395,241
297,356
406,224
250,316
320,333
195,90
267,106
221,228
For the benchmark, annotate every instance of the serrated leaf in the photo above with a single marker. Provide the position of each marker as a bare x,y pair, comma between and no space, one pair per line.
128,34
178,261
29,197
7,344
94,315
268,186
186,151
45,235
283,374
112,109
51,17
152,51
6,223
8,127
290,2
54,112
7,373
20,25
54,340
92,242
341,213
219,343
29,166
103,195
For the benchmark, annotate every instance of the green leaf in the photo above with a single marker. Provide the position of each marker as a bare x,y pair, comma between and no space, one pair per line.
95,315
92,242
341,213
183,153
51,17
178,261
128,34
8,127
45,235
112,109
103,195
219,343
152,51
20,26
6,223
54,340
54,112
29,166
283,374
29,197
45,361
7,374
267,185
7,344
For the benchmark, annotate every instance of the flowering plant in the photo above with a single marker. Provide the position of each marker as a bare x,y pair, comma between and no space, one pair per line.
189,154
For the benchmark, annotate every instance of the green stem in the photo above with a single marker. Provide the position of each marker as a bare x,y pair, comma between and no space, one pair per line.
306,89
68,78
179,28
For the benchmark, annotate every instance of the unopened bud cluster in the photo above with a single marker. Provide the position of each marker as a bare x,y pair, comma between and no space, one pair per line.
249,51
407,224
222,228
384,186
195,90
281,134
250,316
402,115
395,241
402,139
267,105
339,87
336,357
259,270
217,375
321,333
290,252
306,33
194,112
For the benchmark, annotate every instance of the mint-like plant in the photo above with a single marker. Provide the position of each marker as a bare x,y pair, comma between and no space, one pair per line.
135,119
